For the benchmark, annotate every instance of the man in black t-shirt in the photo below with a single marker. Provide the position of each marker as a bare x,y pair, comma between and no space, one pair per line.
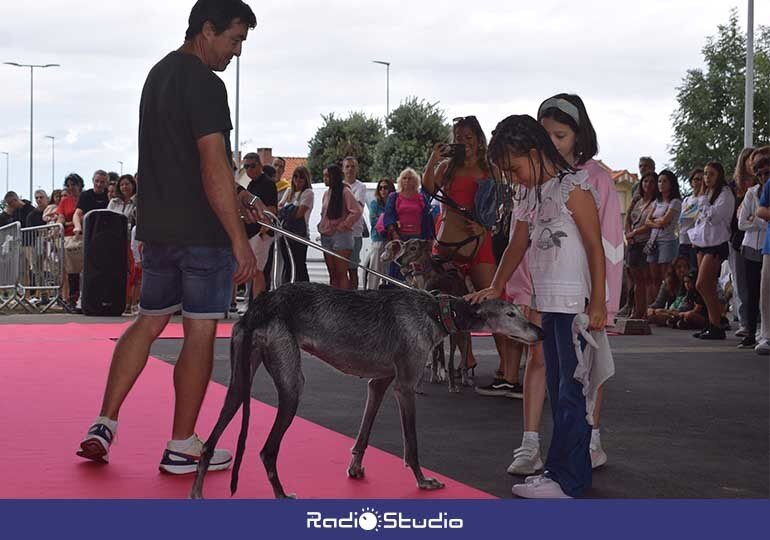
260,238
16,209
91,199
189,220
35,218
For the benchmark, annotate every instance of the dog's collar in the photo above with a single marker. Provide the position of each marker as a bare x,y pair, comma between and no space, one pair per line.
446,315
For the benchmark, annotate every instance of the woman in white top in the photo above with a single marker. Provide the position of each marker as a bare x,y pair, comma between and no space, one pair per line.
688,216
662,247
710,236
751,251
295,208
124,201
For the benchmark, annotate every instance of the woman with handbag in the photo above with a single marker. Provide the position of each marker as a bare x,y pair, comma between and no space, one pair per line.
662,247
294,211
637,235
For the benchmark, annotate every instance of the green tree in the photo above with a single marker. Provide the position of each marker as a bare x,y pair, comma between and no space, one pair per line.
357,136
708,122
414,127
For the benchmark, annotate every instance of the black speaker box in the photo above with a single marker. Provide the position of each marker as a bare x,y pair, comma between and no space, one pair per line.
105,263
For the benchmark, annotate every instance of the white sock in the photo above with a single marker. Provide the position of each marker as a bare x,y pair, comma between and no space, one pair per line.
531,439
110,423
596,436
180,445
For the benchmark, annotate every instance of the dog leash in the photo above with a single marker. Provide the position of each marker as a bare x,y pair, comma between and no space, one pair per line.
282,232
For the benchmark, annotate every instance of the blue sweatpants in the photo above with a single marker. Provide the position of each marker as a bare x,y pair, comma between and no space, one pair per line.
568,462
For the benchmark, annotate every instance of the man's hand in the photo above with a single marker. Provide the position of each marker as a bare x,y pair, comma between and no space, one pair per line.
246,263
251,213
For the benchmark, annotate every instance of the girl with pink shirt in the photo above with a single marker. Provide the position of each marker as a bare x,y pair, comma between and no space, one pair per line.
339,212
566,120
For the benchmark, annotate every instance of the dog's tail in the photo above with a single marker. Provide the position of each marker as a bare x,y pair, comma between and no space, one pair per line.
246,372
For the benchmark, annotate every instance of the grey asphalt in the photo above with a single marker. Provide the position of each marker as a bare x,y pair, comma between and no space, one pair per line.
682,419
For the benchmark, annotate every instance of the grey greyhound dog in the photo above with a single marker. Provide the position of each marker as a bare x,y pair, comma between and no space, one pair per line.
423,270
400,328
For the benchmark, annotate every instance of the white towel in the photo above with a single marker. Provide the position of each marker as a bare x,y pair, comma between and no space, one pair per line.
595,364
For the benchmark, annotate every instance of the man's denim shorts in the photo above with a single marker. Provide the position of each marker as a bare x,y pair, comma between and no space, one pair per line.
198,280
341,241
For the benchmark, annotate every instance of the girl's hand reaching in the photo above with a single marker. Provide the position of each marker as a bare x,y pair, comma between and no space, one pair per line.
490,293
597,315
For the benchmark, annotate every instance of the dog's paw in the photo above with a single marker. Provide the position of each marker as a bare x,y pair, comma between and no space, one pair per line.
430,484
355,472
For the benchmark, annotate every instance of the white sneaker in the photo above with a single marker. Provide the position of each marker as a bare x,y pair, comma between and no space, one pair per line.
530,479
540,488
187,462
598,455
526,460
763,348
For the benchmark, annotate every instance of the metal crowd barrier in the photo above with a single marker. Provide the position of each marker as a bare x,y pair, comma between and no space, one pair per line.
41,267
10,250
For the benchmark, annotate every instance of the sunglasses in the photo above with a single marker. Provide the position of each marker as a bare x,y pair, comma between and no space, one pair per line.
250,166
460,119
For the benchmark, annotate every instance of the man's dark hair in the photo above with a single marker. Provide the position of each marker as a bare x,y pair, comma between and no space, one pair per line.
10,196
269,170
648,160
254,156
112,176
220,13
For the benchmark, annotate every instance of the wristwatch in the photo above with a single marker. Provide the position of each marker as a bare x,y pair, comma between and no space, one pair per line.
252,201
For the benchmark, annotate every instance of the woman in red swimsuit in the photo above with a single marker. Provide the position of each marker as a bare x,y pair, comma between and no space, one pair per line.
458,181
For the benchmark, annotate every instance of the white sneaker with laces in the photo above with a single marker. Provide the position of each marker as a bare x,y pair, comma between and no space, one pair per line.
598,455
763,348
186,462
540,488
526,460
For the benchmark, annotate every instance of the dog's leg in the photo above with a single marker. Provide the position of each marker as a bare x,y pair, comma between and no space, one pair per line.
376,391
406,404
452,374
465,353
284,366
241,376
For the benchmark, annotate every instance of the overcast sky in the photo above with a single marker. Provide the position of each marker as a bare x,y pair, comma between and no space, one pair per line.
306,58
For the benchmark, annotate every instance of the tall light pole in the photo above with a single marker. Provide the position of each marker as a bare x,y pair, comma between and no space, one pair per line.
387,89
748,113
7,166
53,161
237,153
31,112
121,168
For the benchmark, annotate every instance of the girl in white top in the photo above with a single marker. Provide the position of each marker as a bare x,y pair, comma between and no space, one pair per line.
300,194
662,222
688,216
567,265
710,235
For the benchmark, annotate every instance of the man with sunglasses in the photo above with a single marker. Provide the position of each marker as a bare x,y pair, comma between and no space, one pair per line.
260,238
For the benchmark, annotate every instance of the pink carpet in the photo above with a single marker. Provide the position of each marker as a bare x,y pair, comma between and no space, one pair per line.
51,383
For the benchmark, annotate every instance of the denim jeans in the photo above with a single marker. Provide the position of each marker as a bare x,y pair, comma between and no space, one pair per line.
568,462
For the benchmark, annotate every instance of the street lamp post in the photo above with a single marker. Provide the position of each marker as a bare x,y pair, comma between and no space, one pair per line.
121,168
387,88
31,112
748,118
7,166
53,161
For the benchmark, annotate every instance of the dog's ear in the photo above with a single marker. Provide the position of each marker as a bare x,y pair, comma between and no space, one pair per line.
467,316
390,251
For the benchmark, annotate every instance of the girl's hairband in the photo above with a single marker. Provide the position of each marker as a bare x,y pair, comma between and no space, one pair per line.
561,104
